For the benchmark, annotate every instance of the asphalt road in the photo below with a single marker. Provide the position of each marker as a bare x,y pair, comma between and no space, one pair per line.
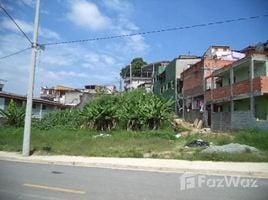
26,181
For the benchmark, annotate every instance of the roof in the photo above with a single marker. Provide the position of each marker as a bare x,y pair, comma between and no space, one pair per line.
188,57
24,98
253,47
65,88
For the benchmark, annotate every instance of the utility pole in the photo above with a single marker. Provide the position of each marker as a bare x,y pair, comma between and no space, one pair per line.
130,75
28,116
120,84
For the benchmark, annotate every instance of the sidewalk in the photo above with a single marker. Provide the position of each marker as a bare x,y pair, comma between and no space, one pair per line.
259,170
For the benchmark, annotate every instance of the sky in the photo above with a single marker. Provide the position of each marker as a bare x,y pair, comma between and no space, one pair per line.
99,62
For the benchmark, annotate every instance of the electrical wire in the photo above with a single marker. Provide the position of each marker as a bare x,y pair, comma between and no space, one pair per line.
13,20
15,53
158,31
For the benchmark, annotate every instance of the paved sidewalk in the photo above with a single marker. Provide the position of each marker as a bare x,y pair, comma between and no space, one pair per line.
259,170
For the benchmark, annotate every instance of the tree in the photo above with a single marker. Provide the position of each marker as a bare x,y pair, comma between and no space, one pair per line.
137,64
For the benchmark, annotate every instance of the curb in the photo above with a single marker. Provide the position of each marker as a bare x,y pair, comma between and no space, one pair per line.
256,170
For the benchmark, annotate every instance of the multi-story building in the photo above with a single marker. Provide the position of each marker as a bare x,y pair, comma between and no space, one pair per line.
75,97
167,80
194,78
146,76
61,94
238,97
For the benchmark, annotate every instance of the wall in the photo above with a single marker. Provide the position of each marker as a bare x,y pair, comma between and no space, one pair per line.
169,82
261,107
259,69
220,121
242,105
72,98
194,77
226,79
2,103
239,120
241,74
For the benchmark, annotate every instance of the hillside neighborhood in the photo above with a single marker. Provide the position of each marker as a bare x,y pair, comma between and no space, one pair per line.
133,99
223,89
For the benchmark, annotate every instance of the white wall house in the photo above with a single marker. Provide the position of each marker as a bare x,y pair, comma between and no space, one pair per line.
40,106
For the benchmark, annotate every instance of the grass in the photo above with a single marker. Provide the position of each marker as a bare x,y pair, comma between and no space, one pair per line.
153,144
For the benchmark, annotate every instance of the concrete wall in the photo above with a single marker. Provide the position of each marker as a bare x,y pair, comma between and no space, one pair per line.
242,105
261,107
260,69
239,120
2,103
241,73
72,98
220,121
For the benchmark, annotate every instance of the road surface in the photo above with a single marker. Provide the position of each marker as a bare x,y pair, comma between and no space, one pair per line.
27,181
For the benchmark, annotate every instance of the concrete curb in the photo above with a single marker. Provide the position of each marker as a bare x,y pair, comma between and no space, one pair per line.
257,170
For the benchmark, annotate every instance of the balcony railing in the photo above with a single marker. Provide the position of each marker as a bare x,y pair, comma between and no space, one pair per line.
260,84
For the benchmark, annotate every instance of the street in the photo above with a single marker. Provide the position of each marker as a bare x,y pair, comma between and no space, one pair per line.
27,181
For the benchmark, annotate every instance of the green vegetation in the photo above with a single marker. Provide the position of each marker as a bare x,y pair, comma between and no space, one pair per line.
14,114
136,110
133,124
160,143
136,65
59,119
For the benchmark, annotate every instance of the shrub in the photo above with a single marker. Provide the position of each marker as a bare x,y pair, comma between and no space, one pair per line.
14,114
64,118
139,108
101,113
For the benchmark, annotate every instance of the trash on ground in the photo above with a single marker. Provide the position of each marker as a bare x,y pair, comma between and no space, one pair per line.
198,143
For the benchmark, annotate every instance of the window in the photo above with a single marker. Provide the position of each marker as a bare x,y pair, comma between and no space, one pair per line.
44,107
34,106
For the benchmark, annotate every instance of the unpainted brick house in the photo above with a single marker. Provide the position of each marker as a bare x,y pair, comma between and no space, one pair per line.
237,96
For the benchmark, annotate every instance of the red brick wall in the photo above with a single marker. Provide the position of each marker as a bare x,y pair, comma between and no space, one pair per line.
193,78
241,87
261,84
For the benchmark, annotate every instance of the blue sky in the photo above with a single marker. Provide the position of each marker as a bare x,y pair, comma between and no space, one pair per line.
99,62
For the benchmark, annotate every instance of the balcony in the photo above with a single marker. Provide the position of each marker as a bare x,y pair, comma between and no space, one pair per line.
260,84
218,93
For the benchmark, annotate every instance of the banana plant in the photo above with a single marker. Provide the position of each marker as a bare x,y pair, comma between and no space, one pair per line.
14,114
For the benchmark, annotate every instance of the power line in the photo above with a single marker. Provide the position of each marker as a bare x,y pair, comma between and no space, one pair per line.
159,30
15,53
13,20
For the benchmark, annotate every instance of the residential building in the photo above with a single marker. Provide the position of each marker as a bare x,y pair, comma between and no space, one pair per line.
99,89
146,76
61,94
75,97
238,97
260,48
40,106
222,52
194,77
167,80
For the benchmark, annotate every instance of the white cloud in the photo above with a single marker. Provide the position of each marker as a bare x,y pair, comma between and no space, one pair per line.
118,6
74,65
27,2
88,15
28,28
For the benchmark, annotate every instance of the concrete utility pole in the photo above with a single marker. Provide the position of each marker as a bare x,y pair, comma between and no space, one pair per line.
28,116
130,74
